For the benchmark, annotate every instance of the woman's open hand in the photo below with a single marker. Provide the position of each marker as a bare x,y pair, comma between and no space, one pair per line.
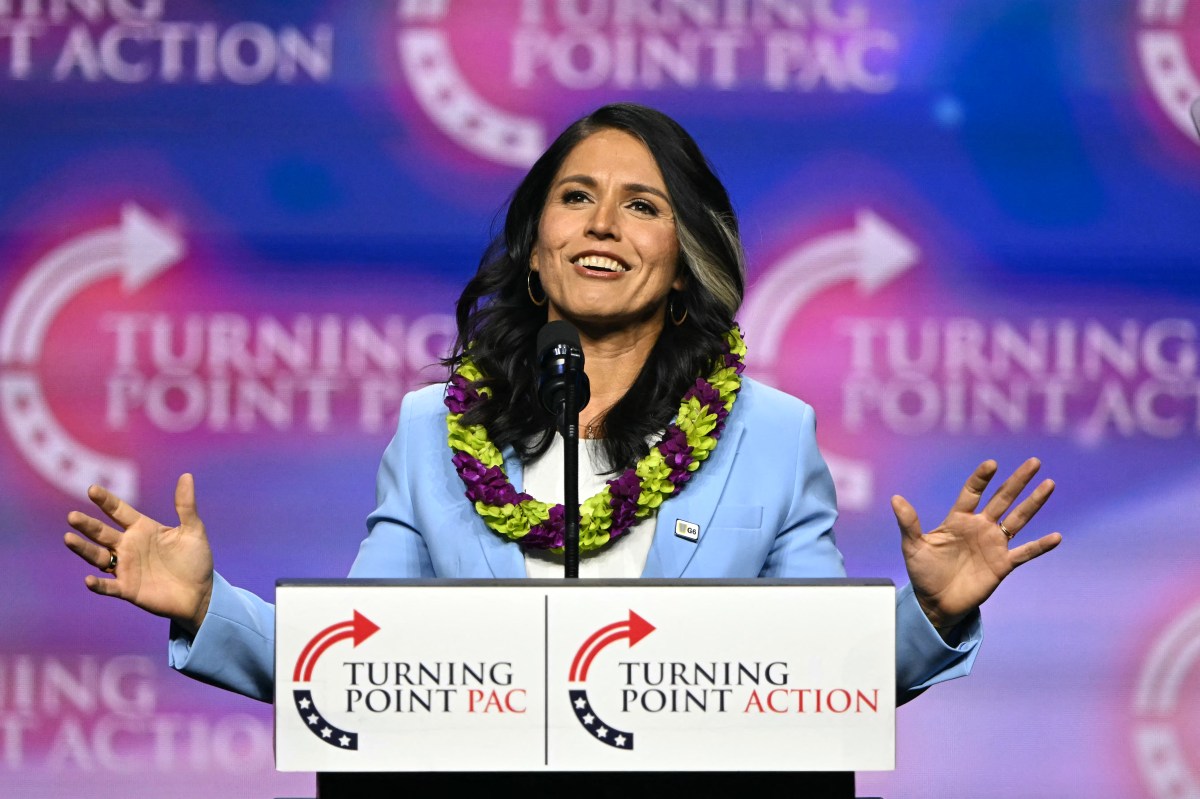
165,570
957,565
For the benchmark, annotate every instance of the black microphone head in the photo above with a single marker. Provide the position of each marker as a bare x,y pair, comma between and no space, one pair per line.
560,361
556,333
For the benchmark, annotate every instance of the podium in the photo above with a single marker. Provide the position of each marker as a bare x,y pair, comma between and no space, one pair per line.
596,687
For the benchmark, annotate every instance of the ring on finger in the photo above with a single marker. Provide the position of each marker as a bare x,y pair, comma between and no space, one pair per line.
1003,529
112,563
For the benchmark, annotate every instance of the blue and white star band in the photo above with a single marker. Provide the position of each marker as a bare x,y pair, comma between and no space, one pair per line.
592,723
320,727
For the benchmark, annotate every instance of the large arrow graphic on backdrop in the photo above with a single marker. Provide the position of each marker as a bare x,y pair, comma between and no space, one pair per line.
136,250
872,254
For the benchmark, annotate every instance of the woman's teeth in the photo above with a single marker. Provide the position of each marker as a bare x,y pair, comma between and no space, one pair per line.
601,263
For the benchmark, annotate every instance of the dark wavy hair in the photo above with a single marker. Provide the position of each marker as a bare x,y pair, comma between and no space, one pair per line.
499,323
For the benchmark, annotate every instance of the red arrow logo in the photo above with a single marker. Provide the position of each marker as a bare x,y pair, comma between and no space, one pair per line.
635,629
360,629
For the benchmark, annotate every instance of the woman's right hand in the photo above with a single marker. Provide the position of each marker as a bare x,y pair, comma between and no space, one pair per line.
165,570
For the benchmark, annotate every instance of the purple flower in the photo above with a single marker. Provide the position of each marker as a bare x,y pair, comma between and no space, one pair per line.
680,477
549,534
673,441
625,491
676,454
461,396
485,484
703,391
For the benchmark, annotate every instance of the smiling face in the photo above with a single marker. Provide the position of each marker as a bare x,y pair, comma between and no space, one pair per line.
606,250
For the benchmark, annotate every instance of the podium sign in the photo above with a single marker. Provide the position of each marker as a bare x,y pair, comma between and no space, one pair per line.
585,675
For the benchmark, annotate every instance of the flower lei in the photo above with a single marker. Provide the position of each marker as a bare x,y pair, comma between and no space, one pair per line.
624,500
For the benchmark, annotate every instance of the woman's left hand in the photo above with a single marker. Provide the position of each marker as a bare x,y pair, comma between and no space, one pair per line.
957,565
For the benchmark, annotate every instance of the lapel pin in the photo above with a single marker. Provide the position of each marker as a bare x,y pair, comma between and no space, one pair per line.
687,531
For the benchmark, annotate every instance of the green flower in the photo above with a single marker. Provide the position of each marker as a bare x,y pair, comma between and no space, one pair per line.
726,381
513,521
704,446
472,440
596,511
696,422
656,483
470,371
594,523
737,346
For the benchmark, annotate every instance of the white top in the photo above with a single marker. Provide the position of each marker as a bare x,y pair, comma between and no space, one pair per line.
625,557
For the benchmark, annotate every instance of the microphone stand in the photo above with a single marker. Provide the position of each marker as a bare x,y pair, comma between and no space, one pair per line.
563,390
570,430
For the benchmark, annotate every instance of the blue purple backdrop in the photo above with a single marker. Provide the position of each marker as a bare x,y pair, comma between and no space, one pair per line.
230,239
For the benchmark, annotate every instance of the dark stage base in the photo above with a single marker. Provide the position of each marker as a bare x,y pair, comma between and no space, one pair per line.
590,785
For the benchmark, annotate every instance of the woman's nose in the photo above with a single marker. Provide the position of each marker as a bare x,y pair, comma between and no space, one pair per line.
603,222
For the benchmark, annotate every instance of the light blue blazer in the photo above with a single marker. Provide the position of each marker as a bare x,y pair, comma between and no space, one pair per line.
763,501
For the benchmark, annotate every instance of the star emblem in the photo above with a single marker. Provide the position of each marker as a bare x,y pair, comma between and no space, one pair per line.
313,719
602,732
325,733
344,740
588,719
580,703
619,740
304,703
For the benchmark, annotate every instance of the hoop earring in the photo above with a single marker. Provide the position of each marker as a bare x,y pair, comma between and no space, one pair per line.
529,288
672,313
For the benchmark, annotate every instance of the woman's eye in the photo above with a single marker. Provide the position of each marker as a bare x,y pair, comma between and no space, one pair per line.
643,207
574,196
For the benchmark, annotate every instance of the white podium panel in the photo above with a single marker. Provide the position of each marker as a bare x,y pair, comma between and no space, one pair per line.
585,675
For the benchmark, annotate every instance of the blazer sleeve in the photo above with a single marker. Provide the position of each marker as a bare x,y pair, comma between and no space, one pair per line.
235,646
805,546
922,657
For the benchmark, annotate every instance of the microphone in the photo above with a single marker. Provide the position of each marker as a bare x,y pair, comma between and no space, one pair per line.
563,390
560,359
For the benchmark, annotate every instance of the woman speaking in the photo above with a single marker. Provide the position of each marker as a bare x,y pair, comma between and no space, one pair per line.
687,469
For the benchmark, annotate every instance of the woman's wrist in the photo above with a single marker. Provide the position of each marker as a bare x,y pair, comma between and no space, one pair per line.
945,624
191,624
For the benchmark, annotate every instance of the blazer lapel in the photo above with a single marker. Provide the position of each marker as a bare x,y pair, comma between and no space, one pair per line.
670,554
